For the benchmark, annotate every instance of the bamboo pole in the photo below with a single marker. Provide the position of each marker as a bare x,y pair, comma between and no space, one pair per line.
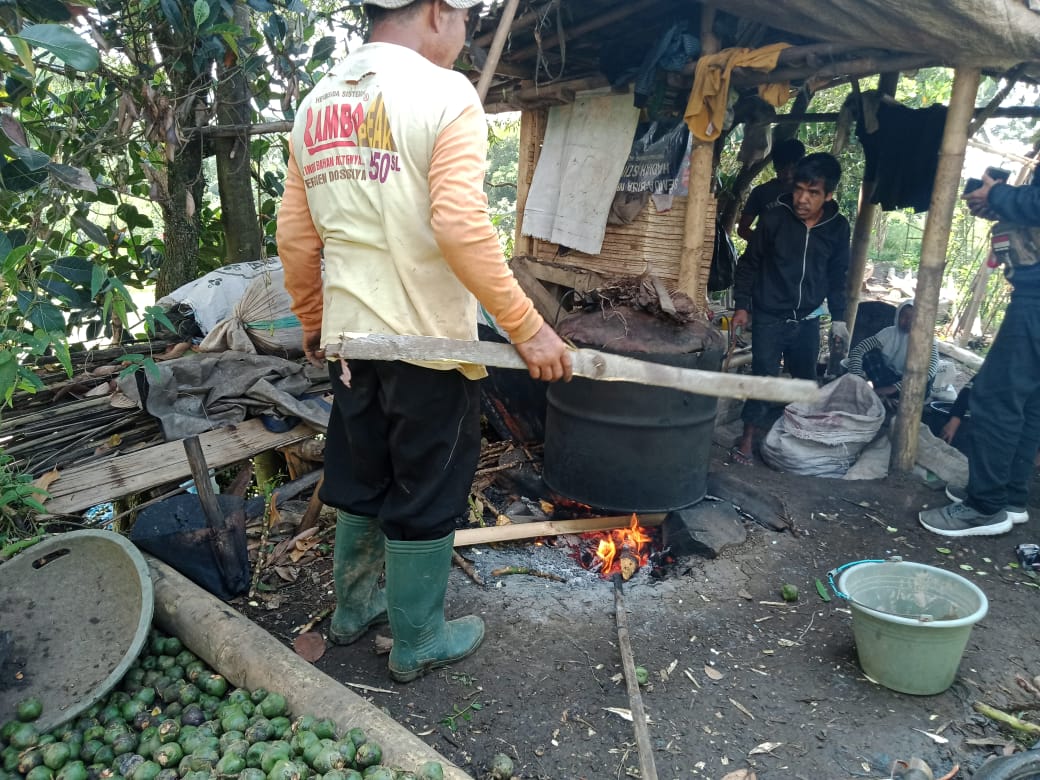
861,234
532,130
701,162
505,24
933,261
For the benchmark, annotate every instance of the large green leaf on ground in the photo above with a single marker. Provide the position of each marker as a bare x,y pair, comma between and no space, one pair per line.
63,43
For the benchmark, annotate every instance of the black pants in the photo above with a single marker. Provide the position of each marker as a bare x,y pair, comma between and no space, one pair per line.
1005,411
402,446
796,344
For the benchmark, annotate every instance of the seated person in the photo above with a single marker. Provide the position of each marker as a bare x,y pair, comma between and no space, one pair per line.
786,155
881,358
958,412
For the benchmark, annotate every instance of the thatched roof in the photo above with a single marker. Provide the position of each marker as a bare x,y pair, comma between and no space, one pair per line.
560,46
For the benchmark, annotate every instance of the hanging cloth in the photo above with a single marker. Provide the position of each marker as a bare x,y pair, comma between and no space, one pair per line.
706,109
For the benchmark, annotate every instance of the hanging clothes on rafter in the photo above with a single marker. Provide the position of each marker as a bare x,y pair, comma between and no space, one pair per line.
902,153
706,109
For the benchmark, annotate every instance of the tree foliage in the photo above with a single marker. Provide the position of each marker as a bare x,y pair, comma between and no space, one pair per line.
103,146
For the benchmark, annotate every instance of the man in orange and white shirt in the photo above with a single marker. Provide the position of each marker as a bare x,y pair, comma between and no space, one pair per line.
385,180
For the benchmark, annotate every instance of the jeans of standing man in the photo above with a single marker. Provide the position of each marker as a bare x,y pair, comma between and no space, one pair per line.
1005,410
795,342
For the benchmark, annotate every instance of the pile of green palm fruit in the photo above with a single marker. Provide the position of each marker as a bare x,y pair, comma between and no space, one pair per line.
172,717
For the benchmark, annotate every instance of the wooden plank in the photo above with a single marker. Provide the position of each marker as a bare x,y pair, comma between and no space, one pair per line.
587,363
568,276
512,532
81,487
961,355
544,301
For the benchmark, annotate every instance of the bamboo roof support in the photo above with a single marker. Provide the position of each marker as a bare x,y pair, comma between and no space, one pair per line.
701,165
497,44
934,243
861,234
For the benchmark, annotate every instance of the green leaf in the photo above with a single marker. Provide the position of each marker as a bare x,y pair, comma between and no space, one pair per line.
821,589
16,176
64,291
63,43
8,375
61,349
151,368
172,11
78,270
943,550
46,316
92,231
45,10
33,159
155,314
201,12
98,277
323,49
73,178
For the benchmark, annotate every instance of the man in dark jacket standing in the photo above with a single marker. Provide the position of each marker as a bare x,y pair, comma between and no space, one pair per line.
1005,395
797,256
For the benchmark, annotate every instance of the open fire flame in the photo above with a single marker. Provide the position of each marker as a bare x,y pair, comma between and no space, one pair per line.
623,550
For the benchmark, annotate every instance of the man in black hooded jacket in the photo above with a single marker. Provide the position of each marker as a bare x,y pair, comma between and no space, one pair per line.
797,257
1005,394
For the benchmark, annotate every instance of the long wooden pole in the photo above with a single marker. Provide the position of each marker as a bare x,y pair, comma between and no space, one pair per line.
498,43
647,768
934,242
701,166
587,363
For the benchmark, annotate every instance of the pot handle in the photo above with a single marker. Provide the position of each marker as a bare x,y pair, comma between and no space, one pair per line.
836,571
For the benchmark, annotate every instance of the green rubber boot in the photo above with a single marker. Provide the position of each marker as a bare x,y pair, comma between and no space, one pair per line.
416,581
357,564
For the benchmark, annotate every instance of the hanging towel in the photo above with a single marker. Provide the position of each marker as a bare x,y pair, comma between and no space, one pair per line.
706,109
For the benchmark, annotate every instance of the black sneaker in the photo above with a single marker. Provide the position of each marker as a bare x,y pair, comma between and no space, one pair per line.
962,520
1018,514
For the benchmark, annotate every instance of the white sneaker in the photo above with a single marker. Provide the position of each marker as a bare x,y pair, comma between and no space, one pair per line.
1016,514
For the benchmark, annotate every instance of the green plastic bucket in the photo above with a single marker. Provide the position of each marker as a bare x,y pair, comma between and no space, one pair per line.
911,622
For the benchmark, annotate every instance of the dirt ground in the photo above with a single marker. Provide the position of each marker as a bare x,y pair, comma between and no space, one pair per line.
741,684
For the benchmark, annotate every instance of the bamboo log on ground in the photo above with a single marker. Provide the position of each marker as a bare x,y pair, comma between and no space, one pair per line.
588,363
647,768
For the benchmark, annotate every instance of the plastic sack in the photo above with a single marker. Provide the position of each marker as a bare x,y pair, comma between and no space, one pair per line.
213,296
261,321
823,438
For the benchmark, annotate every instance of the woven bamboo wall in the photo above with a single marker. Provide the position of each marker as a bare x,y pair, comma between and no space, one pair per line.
652,242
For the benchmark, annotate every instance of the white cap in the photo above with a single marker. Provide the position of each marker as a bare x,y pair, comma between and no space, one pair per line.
402,3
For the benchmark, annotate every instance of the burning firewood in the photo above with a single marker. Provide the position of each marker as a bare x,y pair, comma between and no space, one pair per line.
628,560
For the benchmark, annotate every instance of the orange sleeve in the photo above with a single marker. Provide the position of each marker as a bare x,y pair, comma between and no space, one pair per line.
463,229
299,247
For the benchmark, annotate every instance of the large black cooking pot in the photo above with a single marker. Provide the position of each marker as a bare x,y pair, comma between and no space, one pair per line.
625,447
